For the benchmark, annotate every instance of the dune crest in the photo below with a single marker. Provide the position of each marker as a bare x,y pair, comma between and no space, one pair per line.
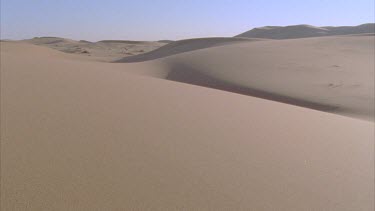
182,46
302,31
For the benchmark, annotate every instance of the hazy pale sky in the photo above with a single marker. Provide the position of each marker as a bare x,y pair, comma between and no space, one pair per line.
170,19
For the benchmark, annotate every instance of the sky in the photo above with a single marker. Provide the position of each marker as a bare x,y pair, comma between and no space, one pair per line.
170,19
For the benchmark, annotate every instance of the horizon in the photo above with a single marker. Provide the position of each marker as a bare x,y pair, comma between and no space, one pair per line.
168,39
167,19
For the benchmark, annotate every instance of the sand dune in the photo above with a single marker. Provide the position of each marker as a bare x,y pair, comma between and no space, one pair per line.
182,46
124,41
86,135
105,50
301,31
165,41
333,74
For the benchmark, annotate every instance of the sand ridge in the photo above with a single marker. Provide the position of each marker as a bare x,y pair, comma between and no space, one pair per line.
187,45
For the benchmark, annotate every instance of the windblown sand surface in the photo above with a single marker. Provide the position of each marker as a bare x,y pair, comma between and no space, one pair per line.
80,134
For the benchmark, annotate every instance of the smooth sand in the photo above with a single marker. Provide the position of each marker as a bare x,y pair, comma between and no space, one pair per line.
332,74
77,134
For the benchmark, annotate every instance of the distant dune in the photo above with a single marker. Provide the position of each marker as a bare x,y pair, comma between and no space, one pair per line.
79,134
106,50
125,41
165,41
301,31
182,46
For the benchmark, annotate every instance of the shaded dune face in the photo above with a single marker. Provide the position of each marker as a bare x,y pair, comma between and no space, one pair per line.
186,74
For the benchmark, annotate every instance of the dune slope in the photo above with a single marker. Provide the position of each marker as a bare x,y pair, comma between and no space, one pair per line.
333,74
84,135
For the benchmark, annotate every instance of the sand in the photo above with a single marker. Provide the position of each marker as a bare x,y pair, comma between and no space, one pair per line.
332,74
183,46
80,134
105,50
301,31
